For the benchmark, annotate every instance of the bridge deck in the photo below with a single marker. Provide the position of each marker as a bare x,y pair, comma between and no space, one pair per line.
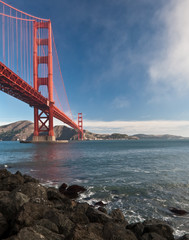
15,86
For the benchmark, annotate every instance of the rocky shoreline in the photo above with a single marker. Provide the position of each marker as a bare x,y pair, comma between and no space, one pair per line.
30,211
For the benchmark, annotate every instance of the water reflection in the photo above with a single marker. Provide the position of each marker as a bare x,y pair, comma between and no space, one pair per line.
51,162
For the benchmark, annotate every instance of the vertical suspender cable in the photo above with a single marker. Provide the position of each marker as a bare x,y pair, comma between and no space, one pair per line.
3,34
8,39
30,52
27,50
17,41
21,46
24,51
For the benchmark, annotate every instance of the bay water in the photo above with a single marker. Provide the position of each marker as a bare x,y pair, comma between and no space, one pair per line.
143,178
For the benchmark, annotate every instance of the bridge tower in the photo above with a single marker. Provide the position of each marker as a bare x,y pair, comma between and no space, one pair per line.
80,124
43,120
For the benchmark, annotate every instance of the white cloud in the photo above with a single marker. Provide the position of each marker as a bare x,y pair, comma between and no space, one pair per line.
180,128
170,66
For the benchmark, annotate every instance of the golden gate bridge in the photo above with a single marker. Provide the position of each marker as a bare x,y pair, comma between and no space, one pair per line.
30,70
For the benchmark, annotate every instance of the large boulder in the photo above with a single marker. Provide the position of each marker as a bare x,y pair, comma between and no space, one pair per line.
152,236
36,233
118,216
3,225
72,191
152,229
28,215
64,224
48,224
97,216
78,215
11,182
36,192
115,231
137,229
160,228
59,200
8,207
93,231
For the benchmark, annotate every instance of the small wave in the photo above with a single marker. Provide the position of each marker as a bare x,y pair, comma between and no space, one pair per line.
81,181
134,183
179,233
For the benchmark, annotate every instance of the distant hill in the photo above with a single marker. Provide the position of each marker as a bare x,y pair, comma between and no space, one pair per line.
23,130
165,136
114,136
17,130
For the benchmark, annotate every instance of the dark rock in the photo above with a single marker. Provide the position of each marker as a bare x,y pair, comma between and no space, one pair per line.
4,194
27,233
78,214
115,231
96,229
160,228
4,173
36,192
81,207
18,173
118,216
103,210
97,216
28,178
49,235
8,207
185,237
64,224
92,231
100,203
76,188
178,211
37,233
11,182
29,214
79,218
53,194
3,225
62,188
48,224
18,199
136,228
60,201
72,191
30,211
153,236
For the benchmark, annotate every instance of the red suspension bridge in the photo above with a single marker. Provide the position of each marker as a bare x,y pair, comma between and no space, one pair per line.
30,70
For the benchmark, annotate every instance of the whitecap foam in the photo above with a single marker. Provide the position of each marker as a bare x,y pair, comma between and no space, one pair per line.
81,181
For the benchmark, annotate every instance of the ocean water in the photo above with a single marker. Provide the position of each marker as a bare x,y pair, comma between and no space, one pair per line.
143,178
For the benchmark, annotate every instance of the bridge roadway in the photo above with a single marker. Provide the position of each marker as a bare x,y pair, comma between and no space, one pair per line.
15,86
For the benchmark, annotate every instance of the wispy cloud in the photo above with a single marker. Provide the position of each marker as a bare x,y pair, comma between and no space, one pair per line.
169,69
120,102
144,127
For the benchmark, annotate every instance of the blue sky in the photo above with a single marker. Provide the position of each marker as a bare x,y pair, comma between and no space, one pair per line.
125,63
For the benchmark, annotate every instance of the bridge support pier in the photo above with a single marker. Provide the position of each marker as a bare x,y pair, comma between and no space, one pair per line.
44,139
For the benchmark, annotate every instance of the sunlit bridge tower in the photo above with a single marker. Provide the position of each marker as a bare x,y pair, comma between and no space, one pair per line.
43,120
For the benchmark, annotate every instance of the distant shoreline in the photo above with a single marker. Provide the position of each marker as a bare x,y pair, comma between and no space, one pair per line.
23,131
